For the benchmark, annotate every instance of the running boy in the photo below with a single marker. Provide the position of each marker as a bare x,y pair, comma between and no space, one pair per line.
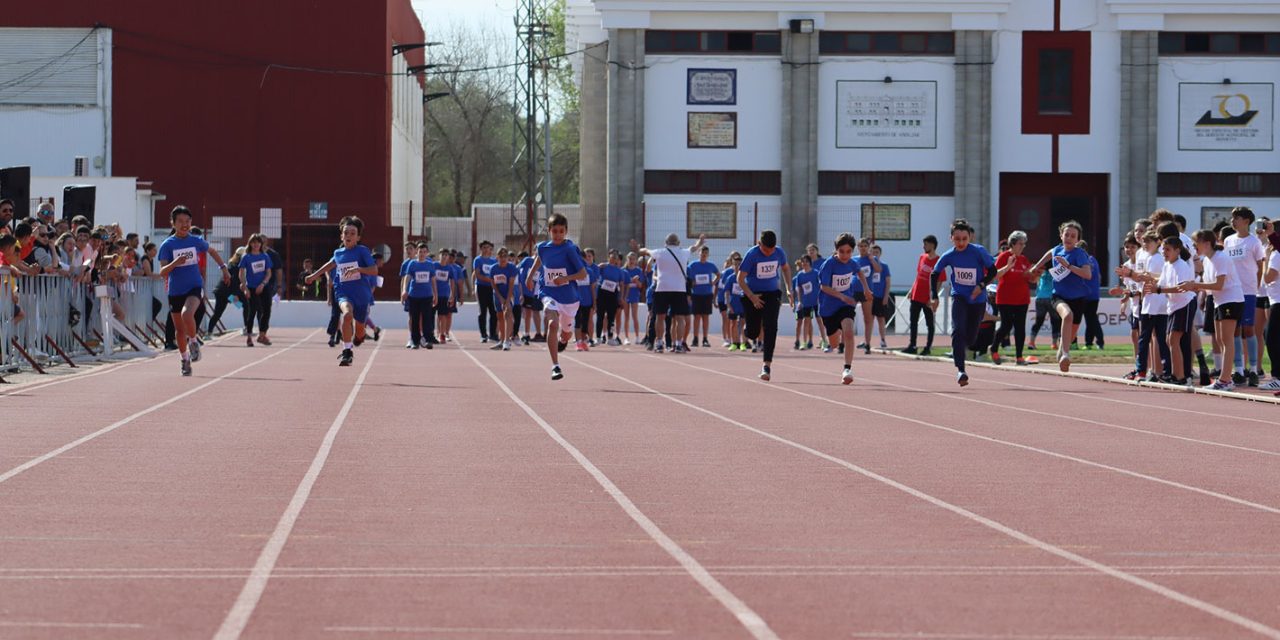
352,261
180,264
560,265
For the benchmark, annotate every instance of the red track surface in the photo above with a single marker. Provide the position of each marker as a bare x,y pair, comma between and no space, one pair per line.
411,495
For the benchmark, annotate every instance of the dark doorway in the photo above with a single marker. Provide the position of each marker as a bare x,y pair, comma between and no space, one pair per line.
1038,202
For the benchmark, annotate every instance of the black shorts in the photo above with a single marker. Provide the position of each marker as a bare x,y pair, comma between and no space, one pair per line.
443,308
804,313
1264,302
1076,305
722,306
833,323
1133,322
1183,320
860,296
532,302
177,302
880,310
1229,311
675,303
702,305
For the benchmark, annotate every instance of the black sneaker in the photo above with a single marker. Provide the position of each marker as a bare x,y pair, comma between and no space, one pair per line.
556,373
706,344
797,345
765,374
345,359
1253,378
927,352
962,379
560,347
414,346
1237,378
525,340
377,333
357,341
841,348
866,348
186,367
333,340
1205,378
169,346
429,345
911,350
484,339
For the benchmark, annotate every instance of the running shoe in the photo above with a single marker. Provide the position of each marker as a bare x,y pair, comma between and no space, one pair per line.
1237,378
264,340
539,338
1253,378
556,373
1021,362
506,345
1205,378
248,341
484,339
357,341
1219,385
863,345
194,346
840,348
1152,378
755,347
866,348
707,345
927,352
826,349
525,340
561,346
186,367
910,349
496,347
581,346
1031,346
1271,385
726,344
591,342
764,373
614,342
847,377
808,345
169,346
345,359
627,341
1064,362
1032,360
995,358
411,344
658,348
1132,375
884,345
797,345
377,334
962,379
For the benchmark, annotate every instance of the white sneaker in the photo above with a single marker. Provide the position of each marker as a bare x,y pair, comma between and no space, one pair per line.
1271,385
506,346
847,378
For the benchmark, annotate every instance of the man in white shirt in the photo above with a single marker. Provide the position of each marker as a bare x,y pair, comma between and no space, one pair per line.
670,293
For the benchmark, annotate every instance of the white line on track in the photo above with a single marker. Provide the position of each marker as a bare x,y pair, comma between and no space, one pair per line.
68,625
1176,596
1025,447
238,617
505,631
4,477
1106,425
745,615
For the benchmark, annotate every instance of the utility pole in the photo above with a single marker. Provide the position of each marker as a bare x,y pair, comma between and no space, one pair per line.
531,152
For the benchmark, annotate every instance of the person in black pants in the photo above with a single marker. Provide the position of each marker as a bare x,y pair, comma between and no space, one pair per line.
480,273
222,293
763,276
274,285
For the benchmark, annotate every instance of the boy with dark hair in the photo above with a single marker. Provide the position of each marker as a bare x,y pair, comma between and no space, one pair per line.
481,268
180,257
560,265
351,262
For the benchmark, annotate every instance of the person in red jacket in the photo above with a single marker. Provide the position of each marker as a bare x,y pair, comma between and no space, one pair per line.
1013,295
920,298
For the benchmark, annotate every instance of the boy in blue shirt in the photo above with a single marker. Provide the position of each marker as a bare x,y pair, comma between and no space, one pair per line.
505,278
880,284
806,307
560,265
763,276
179,257
706,280
445,288
611,297
586,299
481,267
969,269
418,293
869,266
351,261
532,303
837,304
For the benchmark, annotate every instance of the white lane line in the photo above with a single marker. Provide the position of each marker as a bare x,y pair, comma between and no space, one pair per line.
1002,636
1176,596
1107,425
20,624
4,477
505,631
1025,447
238,617
745,615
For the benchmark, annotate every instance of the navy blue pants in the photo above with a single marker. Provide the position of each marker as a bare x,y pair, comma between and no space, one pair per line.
966,316
1157,326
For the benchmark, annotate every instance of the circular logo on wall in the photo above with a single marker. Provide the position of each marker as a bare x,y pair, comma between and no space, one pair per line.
1028,219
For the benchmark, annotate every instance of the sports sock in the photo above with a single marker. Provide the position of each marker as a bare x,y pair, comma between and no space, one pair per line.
1253,350
1239,363
347,345
1217,360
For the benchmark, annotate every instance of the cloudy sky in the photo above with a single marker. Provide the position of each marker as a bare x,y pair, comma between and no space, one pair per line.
437,15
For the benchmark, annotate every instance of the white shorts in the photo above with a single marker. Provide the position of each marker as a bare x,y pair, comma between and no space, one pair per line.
568,312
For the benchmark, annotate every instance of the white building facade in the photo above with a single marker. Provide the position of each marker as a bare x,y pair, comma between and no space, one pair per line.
891,119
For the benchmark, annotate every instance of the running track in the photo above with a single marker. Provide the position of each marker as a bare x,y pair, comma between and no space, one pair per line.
459,493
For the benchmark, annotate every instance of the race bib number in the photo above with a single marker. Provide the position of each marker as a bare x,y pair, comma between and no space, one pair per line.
488,268
422,277
866,271
965,277
702,278
875,278
737,289
842,282
1058,271
259,267
348,271
189,253
1235,253
442,276
549,275
609,285
585,282
1134,286
766,270
500,279
806,288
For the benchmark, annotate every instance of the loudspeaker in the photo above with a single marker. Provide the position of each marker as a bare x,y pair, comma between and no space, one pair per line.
78,200
15,184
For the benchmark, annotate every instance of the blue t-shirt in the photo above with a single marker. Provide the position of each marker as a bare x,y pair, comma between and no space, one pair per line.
256,267
878,280
483,266
841,276
558,261
187,277
585,286
421,274
503,277
864,265
732,290
635,278
1044,287
806,288
968,268
1095,281
444,280
612,278
459,273
525,266
404,266
648,287
1066,284
703,273
764,273
817,264
352,286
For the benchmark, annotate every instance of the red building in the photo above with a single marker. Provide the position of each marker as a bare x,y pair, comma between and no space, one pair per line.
231,108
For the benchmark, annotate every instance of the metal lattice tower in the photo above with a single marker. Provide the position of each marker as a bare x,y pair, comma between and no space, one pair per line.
531,143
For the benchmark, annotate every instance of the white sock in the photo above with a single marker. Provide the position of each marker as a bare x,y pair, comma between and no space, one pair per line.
347,345
1217,360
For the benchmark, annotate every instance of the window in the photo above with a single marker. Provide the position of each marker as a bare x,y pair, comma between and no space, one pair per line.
713,42
764,183
1055,82
1255,185
875,183
887,42
1178,43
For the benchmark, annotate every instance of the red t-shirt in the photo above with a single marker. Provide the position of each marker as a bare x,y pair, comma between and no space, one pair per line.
1013,287
924,267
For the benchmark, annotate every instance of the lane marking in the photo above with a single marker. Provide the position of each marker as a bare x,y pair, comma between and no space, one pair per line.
8,475
745,615
506,631
1107,425
1026,447
68,625
1001,636
1166,592
238,617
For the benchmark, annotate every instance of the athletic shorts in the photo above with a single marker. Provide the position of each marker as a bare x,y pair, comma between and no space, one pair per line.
1264,302
568,312
1209,314
453,308
1183,319
1229,311
722,306
735,316
359,310
702,305
532,303
498,302
804,313
177,302
444,308
859,296
1133,322
1076,305
880,310
1250,311
674,303
833,323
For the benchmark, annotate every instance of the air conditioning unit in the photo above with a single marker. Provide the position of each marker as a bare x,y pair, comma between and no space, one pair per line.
82,166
